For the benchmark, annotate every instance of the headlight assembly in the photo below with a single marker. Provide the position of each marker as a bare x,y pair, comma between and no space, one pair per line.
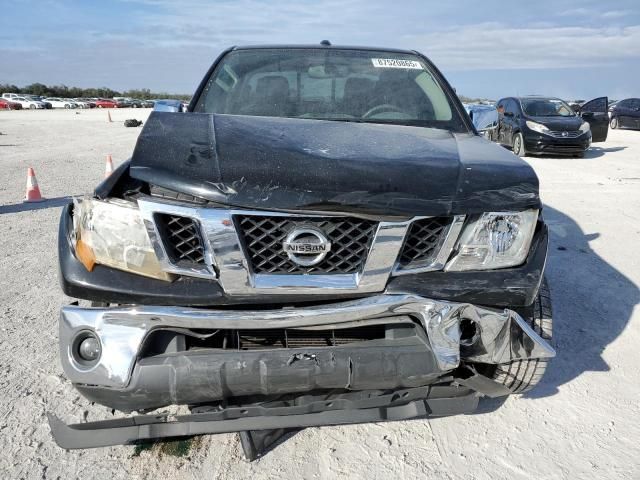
112,233
494,240
585,127
537,127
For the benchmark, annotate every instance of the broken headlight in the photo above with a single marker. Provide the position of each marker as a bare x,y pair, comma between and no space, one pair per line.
112,233
494,240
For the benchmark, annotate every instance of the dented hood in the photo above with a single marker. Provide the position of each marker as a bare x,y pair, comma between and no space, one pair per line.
296,164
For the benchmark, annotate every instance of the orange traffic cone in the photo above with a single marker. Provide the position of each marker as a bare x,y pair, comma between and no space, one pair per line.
109,116
108,168
33,192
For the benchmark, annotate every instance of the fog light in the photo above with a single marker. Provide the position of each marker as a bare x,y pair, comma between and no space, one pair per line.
89,349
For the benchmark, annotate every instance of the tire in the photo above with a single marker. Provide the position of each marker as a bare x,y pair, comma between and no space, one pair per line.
67,106
32,107
99,106
518,145
523,375
614,123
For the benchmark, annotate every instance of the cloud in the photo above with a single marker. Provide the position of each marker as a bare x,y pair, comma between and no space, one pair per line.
496,46
616,14
162,44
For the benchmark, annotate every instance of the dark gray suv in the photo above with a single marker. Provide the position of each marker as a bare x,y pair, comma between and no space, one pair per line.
322,238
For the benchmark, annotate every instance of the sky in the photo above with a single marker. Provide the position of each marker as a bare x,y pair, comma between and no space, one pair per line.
486,48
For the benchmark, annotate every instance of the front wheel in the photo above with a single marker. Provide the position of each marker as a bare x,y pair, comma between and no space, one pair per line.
32,107
518,145
522,375
614,123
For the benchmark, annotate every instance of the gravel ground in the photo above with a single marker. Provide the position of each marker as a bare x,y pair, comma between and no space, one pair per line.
583,422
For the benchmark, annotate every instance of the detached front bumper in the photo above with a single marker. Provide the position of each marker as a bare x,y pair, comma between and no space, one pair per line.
421,366
419,343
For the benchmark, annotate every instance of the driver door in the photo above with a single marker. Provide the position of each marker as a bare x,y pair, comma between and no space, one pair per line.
595,112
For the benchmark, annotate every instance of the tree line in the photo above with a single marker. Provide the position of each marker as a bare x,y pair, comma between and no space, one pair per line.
76,92
104,92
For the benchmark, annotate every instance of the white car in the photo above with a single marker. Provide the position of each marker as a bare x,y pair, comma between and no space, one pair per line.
10,96
80,103
28,103
61,103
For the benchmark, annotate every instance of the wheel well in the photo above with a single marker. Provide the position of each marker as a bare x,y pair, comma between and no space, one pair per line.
514,133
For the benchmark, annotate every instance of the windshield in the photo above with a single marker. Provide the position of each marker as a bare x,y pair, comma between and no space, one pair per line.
341,85
546,107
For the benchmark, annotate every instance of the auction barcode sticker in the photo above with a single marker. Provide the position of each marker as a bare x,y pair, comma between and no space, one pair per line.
395,63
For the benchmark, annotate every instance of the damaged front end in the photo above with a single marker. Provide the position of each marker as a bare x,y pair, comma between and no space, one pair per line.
266,369
279,273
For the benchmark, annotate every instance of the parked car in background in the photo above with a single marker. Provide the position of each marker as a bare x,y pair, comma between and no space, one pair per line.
625,114
547,125
123,103
168,105
28,103
147,103
88,101
6,104
61,102
9,96
484,118
80,103
134,102
39,98
105,103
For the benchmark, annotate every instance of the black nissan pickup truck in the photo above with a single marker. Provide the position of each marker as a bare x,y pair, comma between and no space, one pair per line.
322,238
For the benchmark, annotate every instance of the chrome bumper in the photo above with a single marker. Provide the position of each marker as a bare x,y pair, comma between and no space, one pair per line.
502,336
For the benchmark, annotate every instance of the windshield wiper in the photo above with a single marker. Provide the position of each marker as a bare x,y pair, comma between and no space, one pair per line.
407,123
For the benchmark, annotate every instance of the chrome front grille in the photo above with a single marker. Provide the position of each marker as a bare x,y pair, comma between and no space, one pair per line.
565,134
243,250
181,237
263,238
423,241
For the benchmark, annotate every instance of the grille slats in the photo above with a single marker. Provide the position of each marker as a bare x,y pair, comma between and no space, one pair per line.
422,243
569,133
266,339
289,338
263,237
181,237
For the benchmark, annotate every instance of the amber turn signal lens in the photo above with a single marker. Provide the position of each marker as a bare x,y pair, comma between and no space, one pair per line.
85,255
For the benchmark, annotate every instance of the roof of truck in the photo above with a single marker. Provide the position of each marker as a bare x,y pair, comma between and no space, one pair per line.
320,46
